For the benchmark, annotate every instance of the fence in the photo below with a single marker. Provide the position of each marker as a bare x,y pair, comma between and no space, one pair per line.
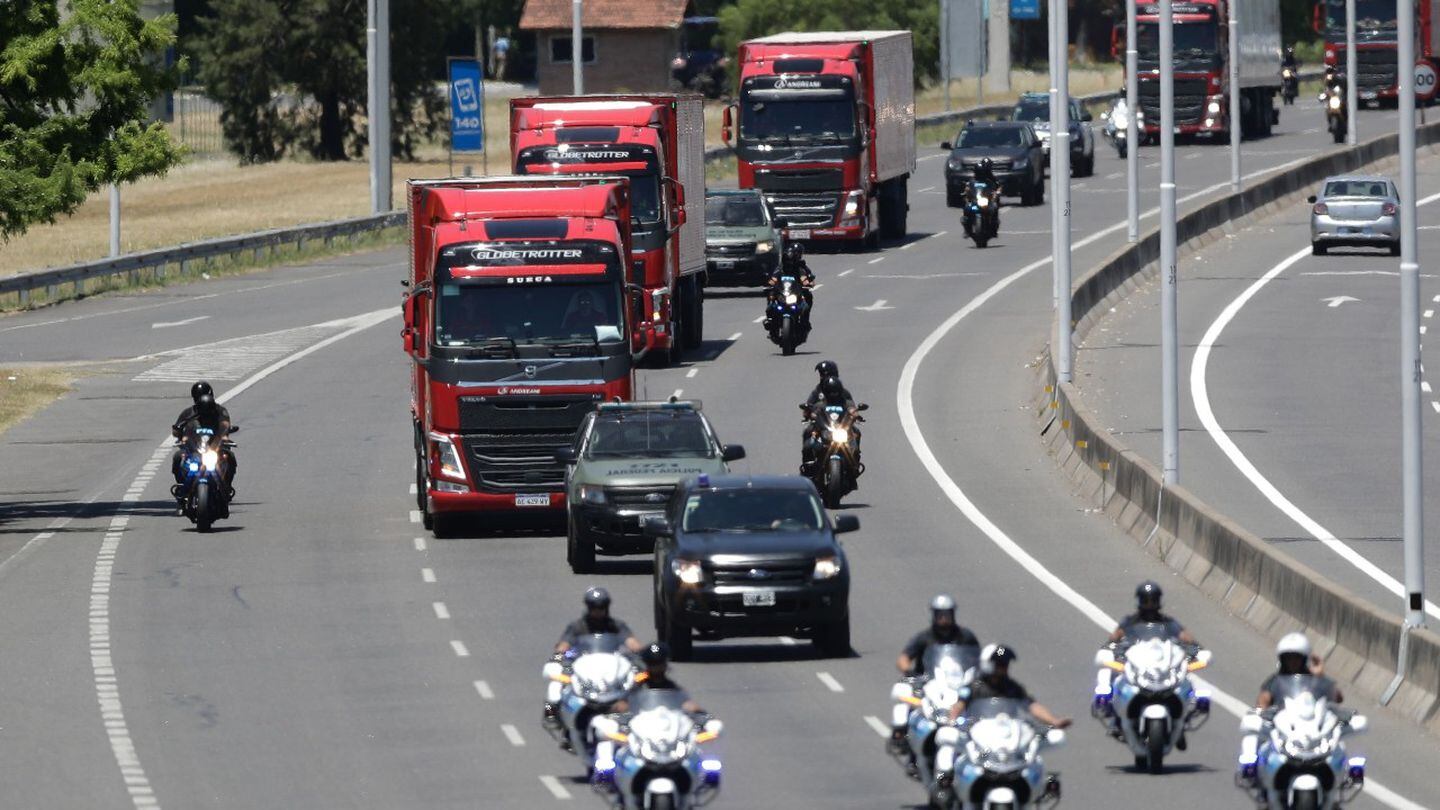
195,122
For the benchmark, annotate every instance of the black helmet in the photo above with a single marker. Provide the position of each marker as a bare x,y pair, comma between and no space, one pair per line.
987,163
1289,50
656,652
994,655
201,389
1148,595
827,368
794,251
831,388
597,597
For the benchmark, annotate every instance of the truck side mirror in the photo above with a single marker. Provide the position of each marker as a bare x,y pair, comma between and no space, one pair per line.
408,335
565,455
1310,199
637,303
946,145
656,526
732,452
727,123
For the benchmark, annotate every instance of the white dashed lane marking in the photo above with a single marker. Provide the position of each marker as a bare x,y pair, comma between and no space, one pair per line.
735,337
691,373
414,515
441,612
874,722
513,735
759,319
678,392
844,273
483,689
461,651
830,682
877,260
413,489
427,575
553,785
419,544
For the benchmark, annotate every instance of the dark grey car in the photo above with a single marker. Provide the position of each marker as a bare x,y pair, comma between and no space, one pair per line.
1012,148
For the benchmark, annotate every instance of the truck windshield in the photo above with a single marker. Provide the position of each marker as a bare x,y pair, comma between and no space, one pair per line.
735,211
644,182
751,510
1374,19
485,294
649,435
1196,43
801,117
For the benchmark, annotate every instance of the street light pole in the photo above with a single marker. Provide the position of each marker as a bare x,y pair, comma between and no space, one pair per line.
1413,472
1060,187
577,49
114,220
377,61
1134,132
1053,41
1169,338
1352,93
1235,129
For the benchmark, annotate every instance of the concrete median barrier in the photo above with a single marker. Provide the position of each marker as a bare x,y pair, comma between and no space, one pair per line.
1266,587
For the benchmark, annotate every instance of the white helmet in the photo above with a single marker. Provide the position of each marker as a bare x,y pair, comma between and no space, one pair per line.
1293,644
942,602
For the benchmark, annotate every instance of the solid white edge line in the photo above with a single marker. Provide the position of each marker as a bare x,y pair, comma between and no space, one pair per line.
553,785
874,722
513,735
904,396
1199,394
830,682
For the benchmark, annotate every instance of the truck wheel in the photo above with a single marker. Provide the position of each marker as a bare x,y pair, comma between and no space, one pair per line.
444,526
579,548
693,327
894,207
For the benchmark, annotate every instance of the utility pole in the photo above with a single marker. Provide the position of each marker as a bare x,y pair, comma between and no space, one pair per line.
1352,93
1169,328
377,63
945,49
114,220
1413,472
577,49
1236,130
1060,186
1052,41
1134,131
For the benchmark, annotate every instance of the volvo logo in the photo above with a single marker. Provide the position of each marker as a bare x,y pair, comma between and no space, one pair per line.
759,573
530,372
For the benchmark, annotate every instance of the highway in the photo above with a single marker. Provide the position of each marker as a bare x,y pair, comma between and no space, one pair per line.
321,650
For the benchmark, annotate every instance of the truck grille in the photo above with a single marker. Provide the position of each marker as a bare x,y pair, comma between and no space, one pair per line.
789,572
640,497
1190,97
1375,68
799,179
511,441
805,210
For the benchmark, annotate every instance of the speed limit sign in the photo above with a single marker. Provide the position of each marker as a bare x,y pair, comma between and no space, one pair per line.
1424,80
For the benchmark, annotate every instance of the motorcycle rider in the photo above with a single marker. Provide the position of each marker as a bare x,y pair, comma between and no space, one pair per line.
1148,600
1296,659
792,263
943,629
207,413
984,172
656,659
1289,60
831,392
995,682
596,619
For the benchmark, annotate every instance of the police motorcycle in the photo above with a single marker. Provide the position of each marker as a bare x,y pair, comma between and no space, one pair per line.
583,683
653,757
835,450
991,760
922,708
1145,697
1289,85
786,314
203,495
1293,756
1336,113
981,212
1117,127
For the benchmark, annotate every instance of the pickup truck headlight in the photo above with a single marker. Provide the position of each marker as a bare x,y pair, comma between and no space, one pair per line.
688,571
764,247
448,456
1022,163
593,495
827,567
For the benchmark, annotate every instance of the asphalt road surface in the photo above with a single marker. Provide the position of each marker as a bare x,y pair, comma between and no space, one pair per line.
322,651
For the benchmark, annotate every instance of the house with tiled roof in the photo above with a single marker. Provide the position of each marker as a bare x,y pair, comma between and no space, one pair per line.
626,45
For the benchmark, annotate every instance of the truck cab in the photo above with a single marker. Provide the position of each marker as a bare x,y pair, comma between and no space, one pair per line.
516,322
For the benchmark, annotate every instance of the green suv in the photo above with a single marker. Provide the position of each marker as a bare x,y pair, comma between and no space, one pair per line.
623,468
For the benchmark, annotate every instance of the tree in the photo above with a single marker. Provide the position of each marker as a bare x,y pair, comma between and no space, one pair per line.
290,75
75,91
753,18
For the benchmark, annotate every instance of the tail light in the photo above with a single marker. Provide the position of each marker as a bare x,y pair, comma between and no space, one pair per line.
1388,209
1320,209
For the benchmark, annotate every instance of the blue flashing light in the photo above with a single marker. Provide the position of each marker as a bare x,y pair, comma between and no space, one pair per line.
194,467
1357,768
1202,704
703,480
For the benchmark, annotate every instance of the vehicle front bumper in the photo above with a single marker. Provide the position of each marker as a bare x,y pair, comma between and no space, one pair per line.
753,268
444,503
720,610
1330,231
614,529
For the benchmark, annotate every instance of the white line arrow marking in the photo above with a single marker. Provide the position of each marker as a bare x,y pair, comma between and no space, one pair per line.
168,324
1338,300
878,305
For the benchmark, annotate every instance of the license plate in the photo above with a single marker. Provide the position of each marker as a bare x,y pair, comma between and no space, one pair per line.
725,263
533,500
1369,94
758,599
799,233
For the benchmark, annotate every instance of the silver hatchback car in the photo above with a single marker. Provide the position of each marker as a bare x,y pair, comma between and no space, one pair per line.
1355,211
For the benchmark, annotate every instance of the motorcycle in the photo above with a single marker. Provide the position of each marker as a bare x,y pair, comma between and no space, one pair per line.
787,315
923,708
1289,85
834,453
1117,128
998,766
1302,763
1336,114
204,496
652,758
1145,698
585,683
981,214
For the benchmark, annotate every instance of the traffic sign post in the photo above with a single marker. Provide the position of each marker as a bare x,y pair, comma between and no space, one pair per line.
1424,81
467,110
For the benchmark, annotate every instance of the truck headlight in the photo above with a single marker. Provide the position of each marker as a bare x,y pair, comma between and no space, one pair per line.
688,571
1213,107
593,495
448,456
827,568
764,247
852,204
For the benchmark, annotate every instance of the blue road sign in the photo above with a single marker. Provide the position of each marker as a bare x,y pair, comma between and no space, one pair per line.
1024,9
467,106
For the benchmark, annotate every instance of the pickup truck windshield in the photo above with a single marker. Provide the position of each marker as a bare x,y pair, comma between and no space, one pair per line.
978,137
649,435
751,510
734,211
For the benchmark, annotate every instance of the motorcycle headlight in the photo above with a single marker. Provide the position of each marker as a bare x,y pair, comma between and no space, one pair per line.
982,201
840,435
210,459
827,568
1121,124
688,571
764,247
448,456
1334,102
593,495
791,298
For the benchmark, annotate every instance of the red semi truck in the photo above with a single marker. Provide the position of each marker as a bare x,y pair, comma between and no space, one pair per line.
516,321
658,141
1202,66
1376,49
826,131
